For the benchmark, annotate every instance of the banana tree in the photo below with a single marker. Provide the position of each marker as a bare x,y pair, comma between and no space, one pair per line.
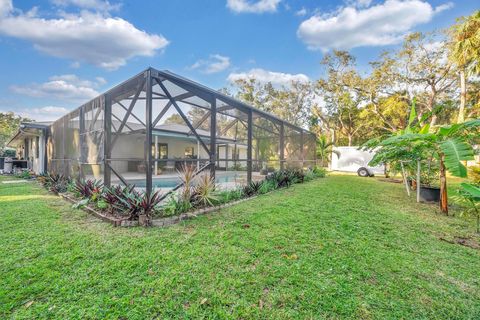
469,197
452,144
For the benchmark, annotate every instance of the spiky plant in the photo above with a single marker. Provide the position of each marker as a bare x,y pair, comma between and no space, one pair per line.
89,189
204,192
148,202
186,175
252,188
128,203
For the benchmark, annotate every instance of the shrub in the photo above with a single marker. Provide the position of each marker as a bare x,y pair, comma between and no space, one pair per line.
252,188
309,175
128,203
148,202
186,174
227,196
89,189
267,186
56,182
475,175
204,192
282,178
25,174
175,205
319,172
469,197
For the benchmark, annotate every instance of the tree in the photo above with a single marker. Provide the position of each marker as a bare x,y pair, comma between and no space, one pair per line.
342,105
422,67
325,149
292,102
9,124
465,53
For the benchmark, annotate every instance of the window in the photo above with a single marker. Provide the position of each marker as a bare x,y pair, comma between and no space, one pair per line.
37,147
162,151
189,152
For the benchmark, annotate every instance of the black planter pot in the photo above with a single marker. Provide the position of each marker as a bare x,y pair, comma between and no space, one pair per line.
429,194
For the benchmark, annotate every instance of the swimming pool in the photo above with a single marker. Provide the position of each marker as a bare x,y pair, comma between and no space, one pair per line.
174,181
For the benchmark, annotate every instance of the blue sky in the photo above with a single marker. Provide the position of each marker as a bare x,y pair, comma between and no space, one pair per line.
56,54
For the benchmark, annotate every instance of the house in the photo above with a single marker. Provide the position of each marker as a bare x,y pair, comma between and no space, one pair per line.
145,129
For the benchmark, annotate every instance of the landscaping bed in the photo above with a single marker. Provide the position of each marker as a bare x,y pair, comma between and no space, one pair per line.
125,206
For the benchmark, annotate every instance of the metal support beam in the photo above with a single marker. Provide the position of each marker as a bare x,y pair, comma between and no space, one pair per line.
228,127
249,146
226,156
148,138
95,118
213,136
282,146
81,125
302,150
129,111
107,121
184,117
133,115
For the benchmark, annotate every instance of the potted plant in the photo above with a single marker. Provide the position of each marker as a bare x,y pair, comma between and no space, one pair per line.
429,183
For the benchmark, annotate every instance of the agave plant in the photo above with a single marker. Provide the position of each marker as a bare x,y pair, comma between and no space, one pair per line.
252,188
187,175
57,182
204,192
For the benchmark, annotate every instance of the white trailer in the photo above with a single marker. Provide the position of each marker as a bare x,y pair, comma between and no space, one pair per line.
353,159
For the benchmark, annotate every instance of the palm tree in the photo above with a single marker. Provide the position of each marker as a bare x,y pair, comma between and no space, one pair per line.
465,52
324,149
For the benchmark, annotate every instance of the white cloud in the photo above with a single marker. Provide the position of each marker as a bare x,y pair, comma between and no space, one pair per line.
248,6
94,38
6,6
264,76
67,87
362,3
443,7
215,63
49,113
378,25
98,5
302,12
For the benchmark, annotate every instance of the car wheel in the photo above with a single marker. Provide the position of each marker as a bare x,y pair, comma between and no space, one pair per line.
363,172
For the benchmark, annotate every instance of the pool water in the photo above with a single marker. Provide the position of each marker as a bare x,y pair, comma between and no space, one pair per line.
173,182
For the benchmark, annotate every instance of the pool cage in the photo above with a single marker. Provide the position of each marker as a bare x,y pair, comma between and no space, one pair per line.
144,130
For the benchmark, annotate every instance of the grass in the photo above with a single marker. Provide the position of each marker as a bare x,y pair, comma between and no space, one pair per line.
337,248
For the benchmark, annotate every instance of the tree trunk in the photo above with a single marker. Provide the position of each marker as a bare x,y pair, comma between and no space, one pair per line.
463,96
443,186
349,140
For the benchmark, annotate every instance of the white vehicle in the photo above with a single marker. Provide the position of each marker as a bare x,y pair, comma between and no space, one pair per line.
352,159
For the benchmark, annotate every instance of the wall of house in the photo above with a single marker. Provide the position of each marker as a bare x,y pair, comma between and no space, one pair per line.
30,153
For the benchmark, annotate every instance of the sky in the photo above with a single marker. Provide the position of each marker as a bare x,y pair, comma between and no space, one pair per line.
57,54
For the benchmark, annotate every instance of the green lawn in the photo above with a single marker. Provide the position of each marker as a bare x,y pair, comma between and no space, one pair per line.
336,248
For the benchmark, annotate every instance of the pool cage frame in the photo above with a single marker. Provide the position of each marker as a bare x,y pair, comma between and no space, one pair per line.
88,137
